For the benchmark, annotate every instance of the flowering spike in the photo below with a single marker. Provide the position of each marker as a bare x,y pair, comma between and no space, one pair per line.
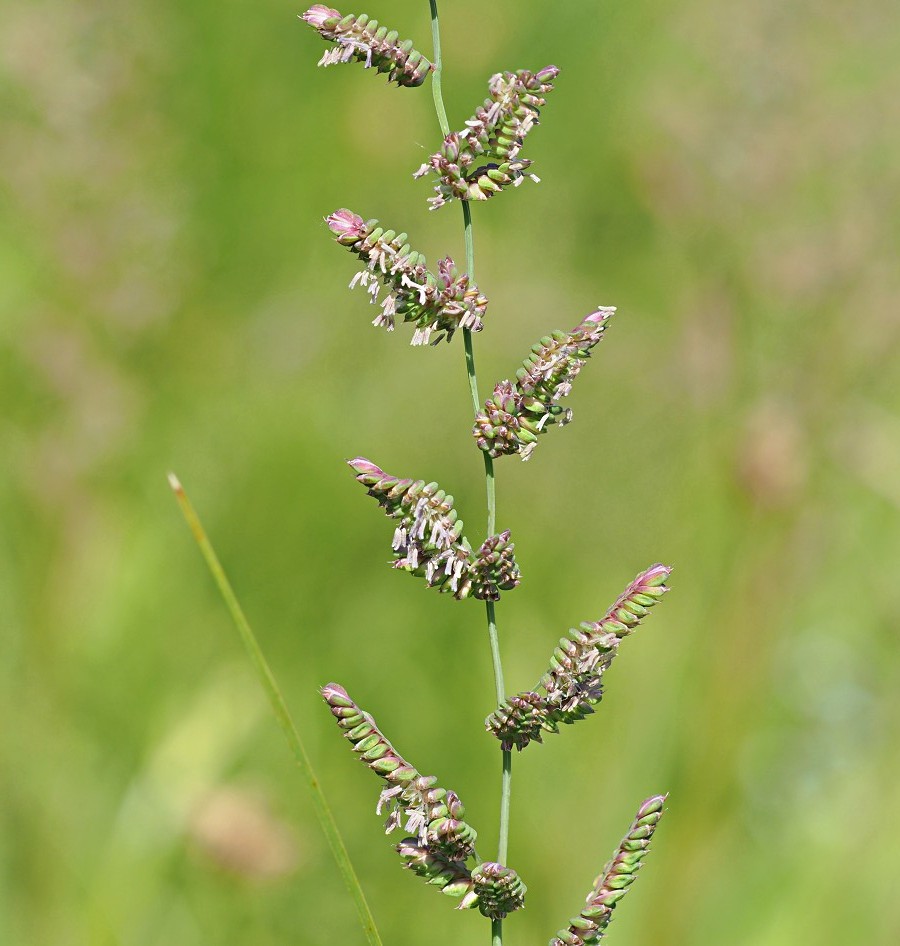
452,878
361,38
428,541
434,813
518,412
478,162
499,890
573,684
589,927
494,568
519,720
437,305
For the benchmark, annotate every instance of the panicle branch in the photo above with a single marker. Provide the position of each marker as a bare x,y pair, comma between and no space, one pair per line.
573,684
433,814
428,541
518,412
589,927
361,38
478,162
437,305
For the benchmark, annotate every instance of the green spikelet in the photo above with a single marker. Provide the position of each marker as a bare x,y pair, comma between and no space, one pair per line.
589,926
361,38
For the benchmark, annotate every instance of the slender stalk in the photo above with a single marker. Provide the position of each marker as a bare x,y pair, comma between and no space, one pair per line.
470,372
495,652
506,777
282,714
437,72
470,240
505,791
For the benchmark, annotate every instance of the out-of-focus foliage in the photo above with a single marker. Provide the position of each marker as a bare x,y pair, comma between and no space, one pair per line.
726,174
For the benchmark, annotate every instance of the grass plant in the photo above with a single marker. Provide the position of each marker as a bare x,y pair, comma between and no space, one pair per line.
473,165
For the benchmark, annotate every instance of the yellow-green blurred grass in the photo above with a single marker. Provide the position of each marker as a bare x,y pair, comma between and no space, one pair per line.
724,173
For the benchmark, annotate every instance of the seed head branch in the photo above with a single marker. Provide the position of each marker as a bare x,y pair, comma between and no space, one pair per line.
589,927
361,38
429,543
519,411
437,305
484,158
574,683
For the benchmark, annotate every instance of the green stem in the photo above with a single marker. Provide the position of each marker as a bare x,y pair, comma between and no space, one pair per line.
505,793
470,240
495,652
279,708
473,381
506,780
506,776
437,71
470,373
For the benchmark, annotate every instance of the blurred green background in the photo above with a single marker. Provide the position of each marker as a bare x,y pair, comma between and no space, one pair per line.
727,175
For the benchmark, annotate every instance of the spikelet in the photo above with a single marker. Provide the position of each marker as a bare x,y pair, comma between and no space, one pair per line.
361,38
411,799
452,878
589,927
499,890
478,162
494,569
436,305
428,541
573,684
518,412
519,720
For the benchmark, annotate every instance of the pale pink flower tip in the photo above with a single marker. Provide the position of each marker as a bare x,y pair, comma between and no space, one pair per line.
365,467
651,806
655,575
602,314
317,14
346,223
